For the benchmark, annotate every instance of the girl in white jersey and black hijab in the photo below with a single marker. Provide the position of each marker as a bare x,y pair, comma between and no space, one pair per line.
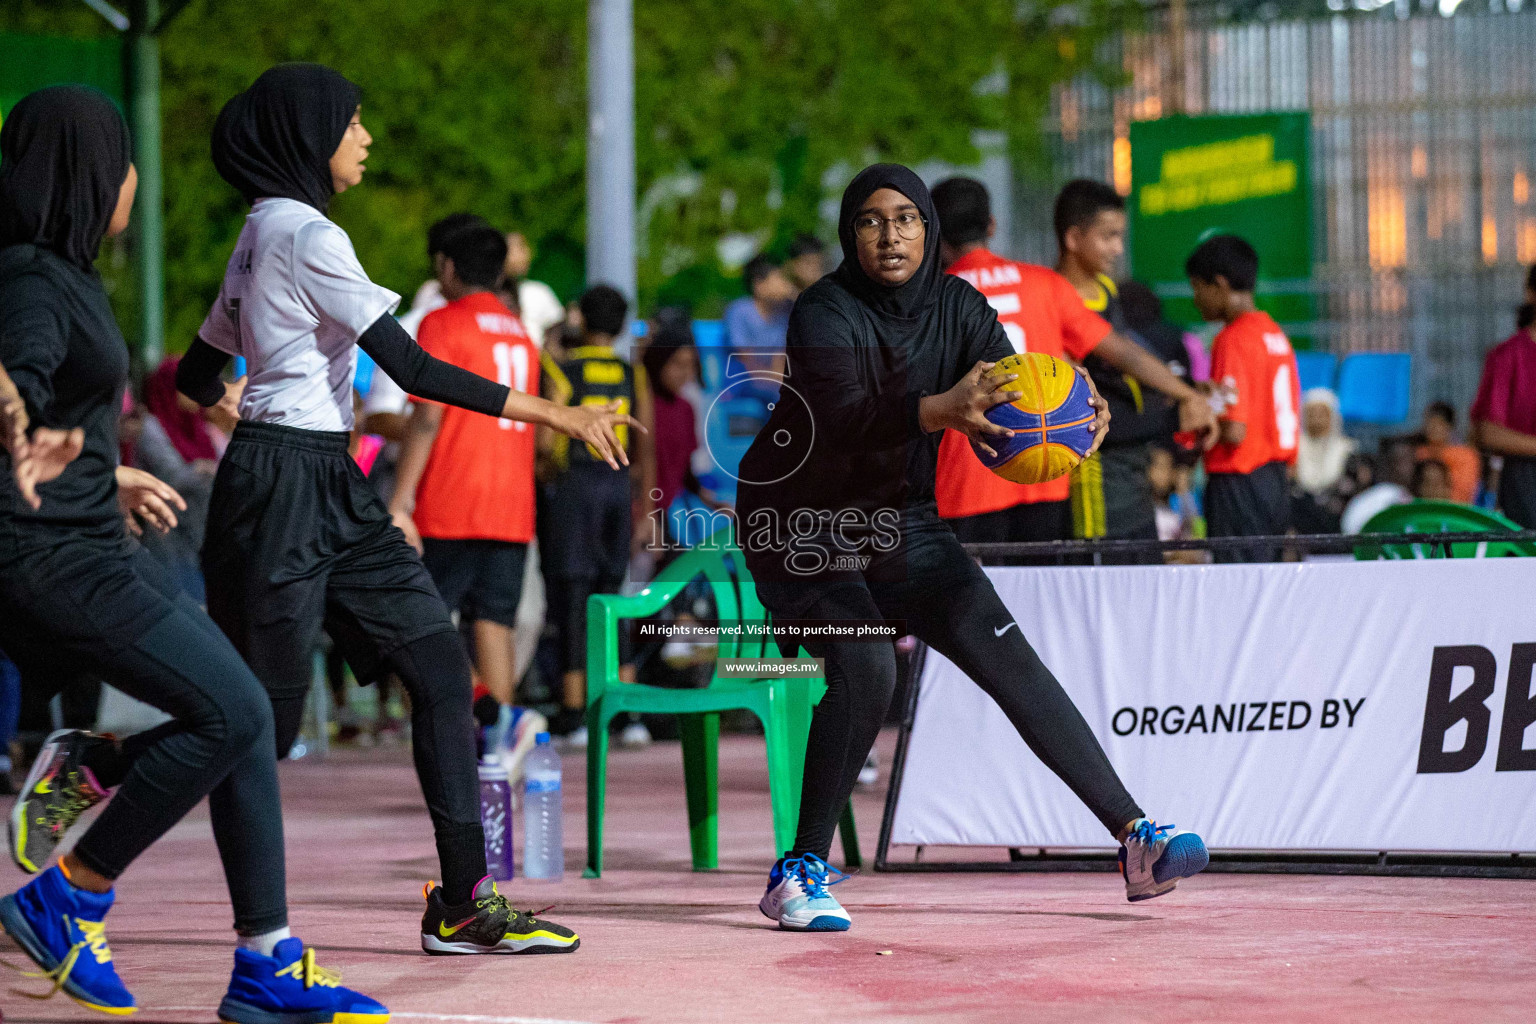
296,537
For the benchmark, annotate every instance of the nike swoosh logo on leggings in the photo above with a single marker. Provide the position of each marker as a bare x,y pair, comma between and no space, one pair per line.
1000,632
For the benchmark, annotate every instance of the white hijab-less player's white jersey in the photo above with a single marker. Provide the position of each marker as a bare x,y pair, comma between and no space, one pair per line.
294,301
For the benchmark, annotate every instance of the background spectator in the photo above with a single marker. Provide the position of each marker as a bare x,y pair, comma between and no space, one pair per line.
1324,451
756,323
807,261
1504,414
1394,476
1460,460
1143,312
1431,481
671,363
536,303
177,445
586,534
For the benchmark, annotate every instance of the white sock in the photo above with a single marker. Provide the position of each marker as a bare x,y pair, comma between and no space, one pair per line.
264,943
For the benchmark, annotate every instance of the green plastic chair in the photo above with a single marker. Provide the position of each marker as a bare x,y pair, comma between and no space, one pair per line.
782,705
1441,517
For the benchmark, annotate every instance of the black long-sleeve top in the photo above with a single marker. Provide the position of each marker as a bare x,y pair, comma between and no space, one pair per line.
62,347
844,435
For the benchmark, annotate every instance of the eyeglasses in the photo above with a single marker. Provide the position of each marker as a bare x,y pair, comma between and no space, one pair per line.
869,226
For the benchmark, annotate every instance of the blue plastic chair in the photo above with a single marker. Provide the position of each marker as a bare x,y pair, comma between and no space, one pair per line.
1374,387
1315,369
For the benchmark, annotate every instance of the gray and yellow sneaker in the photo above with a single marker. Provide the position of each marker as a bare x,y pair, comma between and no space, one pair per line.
58,790
488,924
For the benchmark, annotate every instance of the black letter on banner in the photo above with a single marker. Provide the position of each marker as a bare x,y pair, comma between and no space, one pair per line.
1114,723
1254,723
1276,714
1217,715
1519,712
1177,726
1198,718
1290,720
1148,721
1441,712
1353,709
1330,715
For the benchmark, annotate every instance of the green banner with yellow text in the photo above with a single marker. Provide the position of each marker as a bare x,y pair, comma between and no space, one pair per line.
1246,174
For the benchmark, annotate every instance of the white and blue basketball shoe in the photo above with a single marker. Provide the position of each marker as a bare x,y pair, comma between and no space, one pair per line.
1154,857
797,896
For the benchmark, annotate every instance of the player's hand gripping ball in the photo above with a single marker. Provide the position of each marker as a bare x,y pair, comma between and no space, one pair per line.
1052,424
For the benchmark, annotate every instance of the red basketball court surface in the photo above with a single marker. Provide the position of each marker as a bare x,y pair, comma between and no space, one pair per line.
661,943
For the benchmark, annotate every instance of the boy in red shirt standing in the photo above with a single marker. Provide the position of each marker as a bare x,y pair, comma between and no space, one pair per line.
1246,493
464,490
1040,312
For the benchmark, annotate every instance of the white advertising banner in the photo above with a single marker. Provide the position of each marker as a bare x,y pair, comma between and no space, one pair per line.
1300,706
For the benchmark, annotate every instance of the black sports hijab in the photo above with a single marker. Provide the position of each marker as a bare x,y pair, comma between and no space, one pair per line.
922,288
276,139
64,156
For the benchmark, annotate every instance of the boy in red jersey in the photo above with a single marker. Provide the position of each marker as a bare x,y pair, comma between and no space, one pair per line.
1040,312
464,488
1253,365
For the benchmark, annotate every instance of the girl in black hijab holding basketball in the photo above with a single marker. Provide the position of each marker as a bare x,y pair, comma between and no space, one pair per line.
75,591
838,522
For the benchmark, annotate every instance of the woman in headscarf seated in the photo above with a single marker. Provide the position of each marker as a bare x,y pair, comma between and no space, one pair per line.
1321,487
838,523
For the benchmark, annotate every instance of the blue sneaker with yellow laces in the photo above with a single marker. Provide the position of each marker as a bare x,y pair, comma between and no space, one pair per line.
288,987
797,896
61,928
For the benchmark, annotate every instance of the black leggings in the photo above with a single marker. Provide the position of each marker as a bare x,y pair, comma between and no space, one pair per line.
949,604
114,611
436,673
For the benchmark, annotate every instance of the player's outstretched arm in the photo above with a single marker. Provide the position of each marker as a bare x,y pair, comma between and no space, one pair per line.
1128,357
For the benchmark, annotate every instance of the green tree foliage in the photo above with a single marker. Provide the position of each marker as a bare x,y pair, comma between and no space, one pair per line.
749,113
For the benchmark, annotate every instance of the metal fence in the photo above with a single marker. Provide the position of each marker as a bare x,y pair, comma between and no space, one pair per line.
1423,154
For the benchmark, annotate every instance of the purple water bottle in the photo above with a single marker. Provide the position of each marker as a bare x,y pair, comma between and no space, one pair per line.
496,818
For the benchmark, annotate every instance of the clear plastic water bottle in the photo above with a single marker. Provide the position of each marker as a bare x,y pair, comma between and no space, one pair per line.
496,818
543,836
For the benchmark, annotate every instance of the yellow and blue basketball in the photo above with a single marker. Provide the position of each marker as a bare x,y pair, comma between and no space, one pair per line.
1052,424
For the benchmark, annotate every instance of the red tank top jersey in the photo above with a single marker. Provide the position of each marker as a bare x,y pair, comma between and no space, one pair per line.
1252,360
1040,312
478,484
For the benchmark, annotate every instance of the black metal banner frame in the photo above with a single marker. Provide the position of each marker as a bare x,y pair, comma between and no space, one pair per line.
1382,862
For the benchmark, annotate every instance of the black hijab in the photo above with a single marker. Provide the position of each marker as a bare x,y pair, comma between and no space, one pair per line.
922,288
64,156
276,139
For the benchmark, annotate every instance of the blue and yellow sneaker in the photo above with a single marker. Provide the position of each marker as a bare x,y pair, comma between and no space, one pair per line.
60,927
797,896
288,987
1154,857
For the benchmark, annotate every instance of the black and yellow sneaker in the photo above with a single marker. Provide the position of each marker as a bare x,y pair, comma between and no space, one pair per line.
488,924
58,790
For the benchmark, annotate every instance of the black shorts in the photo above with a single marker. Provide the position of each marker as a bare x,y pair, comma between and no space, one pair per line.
1256,504
587,530
479,579
298,539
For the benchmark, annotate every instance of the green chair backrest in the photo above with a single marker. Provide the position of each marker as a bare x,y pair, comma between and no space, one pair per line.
1441,517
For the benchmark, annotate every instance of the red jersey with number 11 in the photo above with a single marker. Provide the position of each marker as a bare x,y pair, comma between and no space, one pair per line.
478,484
1253,362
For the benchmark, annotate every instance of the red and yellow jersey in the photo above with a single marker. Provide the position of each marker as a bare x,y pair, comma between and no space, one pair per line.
1253,363
478,484
1040,312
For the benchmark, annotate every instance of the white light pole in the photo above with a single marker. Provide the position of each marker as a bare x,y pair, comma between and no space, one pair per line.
611,144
